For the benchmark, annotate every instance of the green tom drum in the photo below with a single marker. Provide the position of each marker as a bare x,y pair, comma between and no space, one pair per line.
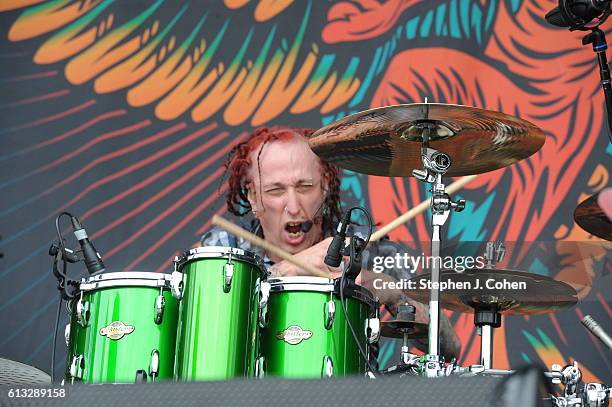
307,335
220,290
122,329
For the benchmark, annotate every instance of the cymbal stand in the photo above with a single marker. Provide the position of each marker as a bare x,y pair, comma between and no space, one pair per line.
435,164
488,318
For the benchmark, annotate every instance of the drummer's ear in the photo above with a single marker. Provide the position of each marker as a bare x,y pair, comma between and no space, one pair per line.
252,201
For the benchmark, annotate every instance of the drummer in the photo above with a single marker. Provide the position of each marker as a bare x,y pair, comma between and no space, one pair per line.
293,199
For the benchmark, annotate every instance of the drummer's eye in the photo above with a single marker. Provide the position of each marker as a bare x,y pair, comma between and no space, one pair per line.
275,191
304,187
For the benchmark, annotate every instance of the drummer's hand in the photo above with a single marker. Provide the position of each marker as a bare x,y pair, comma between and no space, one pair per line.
314,255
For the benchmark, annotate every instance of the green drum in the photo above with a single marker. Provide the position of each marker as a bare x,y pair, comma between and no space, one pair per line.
307,335
122,329
220,289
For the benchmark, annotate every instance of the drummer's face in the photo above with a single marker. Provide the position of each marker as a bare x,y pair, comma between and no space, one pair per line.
288,193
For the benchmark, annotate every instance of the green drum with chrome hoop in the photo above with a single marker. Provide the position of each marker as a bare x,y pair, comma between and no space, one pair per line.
219,288
122,329
307,335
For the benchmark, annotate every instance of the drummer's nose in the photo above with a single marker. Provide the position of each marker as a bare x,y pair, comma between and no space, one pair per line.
292,206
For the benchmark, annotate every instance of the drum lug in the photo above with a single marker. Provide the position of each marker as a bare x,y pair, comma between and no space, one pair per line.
330,313
141,376
67,334
259,367
82,312
77,366
154,366
264,296
176,281
328,367
228,274
373,324
160,303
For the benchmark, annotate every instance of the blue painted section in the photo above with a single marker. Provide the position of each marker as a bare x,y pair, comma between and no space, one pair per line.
367,81
538,267
469,224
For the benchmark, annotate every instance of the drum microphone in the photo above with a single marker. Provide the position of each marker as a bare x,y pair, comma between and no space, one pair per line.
597,330
333,257
93,260
575,13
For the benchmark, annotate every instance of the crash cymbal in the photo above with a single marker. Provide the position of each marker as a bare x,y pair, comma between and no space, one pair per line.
591,217
397,328
509,291
387,140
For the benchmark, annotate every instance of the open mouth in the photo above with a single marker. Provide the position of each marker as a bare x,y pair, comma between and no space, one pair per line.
294,228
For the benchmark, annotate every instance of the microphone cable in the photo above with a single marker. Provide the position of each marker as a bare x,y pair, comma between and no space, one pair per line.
342,300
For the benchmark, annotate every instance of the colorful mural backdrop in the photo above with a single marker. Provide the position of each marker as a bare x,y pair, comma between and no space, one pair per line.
123,112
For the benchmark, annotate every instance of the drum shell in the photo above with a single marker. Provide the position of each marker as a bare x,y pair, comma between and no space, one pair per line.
306,359
217,336
117,360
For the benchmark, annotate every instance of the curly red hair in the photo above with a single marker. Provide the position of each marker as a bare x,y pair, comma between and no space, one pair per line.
239,163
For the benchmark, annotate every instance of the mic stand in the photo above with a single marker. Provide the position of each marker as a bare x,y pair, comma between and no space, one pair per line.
598,38
353,268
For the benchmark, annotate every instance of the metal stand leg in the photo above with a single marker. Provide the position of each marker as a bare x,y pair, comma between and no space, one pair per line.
486,346
487,320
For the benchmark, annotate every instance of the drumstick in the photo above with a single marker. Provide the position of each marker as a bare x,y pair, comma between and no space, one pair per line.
422,207
257,241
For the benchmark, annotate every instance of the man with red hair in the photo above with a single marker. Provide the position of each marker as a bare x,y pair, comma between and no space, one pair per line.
294,199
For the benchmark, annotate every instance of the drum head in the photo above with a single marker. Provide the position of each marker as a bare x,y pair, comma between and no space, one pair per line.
220,252
321,284
125,279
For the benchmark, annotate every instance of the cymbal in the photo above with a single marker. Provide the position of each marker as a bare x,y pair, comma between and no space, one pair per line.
396,329
527,293
591,217
14,373
387,140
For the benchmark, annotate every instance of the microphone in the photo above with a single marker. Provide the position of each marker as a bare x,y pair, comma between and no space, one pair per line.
333,257
306,226
93,260
572,13
597,330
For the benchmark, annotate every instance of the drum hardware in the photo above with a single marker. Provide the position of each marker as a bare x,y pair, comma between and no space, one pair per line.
435,165
494,253
591,217
259,368
404,327
82,311
67,334
154,366
373,329
177,280
228,274
141,376
352,269
597,330
264,296
77,366
160,303
330,313
328,367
